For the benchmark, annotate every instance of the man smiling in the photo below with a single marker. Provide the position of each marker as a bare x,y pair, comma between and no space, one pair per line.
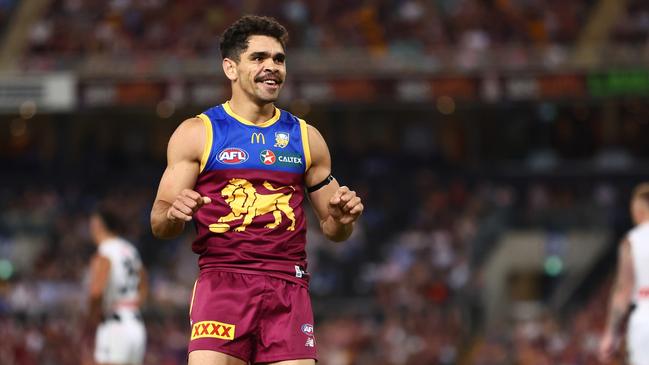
241,171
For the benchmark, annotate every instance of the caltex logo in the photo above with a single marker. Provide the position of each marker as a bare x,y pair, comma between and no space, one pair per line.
267,157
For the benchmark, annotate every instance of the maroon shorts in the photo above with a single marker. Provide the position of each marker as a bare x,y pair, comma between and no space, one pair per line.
253,317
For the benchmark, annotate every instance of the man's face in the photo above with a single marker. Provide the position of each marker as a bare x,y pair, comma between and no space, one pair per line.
261,69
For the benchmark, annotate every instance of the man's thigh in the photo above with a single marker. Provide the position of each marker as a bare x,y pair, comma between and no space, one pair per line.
207,357
224,315
286,331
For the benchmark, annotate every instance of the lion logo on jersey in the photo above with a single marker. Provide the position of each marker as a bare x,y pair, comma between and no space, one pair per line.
246,203
281,139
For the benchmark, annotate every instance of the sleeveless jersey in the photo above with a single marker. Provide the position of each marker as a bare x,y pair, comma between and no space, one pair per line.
121,291
254,175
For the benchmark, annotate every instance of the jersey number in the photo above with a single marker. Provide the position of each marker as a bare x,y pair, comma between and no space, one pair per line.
132,277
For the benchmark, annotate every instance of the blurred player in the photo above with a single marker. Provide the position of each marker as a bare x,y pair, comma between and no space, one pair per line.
118,286
241,171
631,287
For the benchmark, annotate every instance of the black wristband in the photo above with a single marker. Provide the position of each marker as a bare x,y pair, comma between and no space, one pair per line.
319,185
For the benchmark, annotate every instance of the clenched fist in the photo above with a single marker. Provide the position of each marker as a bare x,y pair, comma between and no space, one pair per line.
186,204
344,206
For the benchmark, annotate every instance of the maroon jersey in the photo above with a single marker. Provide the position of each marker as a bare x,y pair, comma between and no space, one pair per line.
254,175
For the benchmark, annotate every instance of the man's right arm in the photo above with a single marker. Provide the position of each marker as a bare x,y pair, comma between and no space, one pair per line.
176,201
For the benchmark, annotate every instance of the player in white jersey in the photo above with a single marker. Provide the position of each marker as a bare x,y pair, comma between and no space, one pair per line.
118,286
631,287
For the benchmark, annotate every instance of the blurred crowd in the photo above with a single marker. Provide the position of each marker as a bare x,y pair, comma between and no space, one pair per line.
6,8
633,27
425,285
191,28
549,339
162,36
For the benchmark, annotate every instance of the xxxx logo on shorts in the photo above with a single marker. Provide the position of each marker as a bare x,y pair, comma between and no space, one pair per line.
213,329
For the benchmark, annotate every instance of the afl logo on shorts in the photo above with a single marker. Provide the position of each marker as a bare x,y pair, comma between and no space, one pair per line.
307,329
233,156
267,157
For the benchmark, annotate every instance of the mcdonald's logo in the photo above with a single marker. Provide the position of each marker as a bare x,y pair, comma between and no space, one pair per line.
256,137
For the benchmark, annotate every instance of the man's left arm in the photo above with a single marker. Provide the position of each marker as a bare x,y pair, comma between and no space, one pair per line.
336,206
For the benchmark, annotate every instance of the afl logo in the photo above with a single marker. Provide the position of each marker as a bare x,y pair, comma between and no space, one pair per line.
233,156
267,157
307,329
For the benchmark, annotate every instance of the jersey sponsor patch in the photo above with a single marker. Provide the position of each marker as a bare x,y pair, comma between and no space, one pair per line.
281,139
267,157
233,156
257,138
289,159
213,329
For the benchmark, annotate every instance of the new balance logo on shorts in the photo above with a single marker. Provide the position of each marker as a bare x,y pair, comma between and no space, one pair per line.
299,272
213,329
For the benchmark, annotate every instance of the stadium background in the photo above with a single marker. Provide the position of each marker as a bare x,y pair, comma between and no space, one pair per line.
494,143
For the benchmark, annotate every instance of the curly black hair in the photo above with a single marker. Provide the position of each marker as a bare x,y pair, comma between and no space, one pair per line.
235,39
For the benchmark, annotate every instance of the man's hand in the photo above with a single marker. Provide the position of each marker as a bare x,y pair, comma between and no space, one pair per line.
186,204
344,206
607,347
